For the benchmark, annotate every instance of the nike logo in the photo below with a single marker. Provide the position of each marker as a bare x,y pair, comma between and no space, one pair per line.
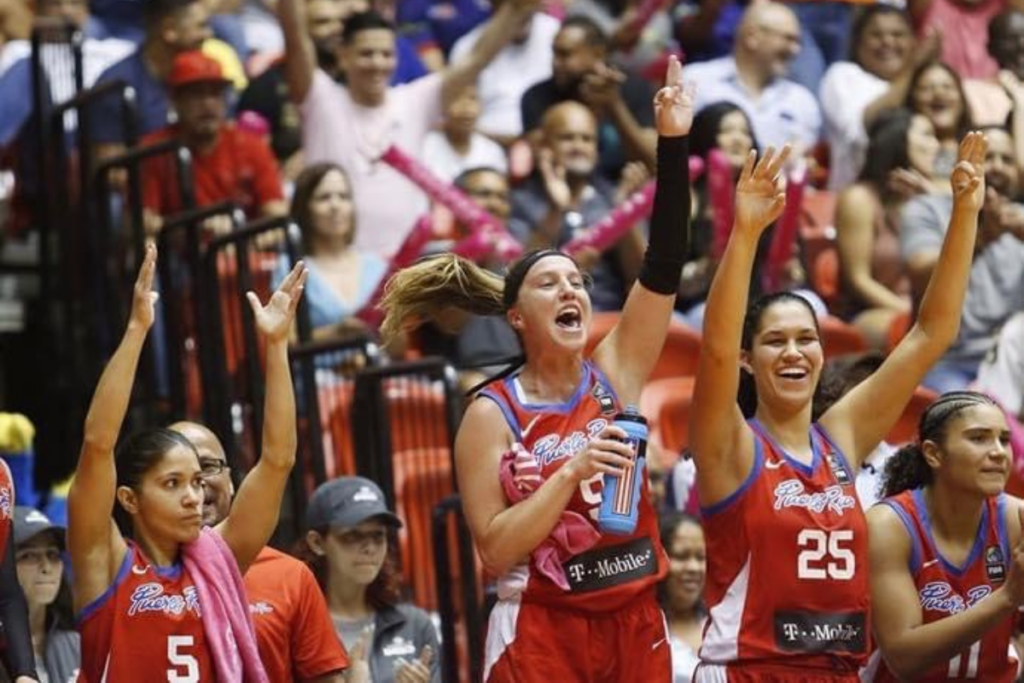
929,563
657,644
773,464
139,571
526,432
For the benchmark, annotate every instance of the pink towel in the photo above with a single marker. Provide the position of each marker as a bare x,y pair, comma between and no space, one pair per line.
520,476
225,609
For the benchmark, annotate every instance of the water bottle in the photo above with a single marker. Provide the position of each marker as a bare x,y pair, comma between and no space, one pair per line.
621,497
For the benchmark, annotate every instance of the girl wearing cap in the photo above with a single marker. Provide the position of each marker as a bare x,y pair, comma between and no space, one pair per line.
778,491
349,546
39,545
554,412
158,597
946,550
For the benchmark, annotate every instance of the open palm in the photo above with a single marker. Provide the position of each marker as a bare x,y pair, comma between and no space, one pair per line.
673,104
143,297
759,196
274,321
968,176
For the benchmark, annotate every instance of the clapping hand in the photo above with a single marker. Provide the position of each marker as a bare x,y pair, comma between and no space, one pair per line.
416,671
760,196
673,104
274,321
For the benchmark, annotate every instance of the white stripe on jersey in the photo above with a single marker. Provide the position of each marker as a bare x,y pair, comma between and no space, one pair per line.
501,632
711,673
721,641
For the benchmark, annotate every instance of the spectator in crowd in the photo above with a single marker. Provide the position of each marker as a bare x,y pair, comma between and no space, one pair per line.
172,27
706,29
228,163
682,590
566,195
294,631
636,46
39,547
900,164
434,26
1001,374
457,146
15,21
961,24
937,92
991,98
342,277
621,103
376,115
853,93
824,38
350,546
721,126
996,289
753,77
126,19
523,61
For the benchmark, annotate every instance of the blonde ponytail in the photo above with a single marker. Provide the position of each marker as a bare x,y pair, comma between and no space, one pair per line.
429,288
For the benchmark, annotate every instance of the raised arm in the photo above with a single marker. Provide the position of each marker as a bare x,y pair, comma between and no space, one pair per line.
299,53
96,546
255,512
630,351
909,646
497,33
860,420
721,443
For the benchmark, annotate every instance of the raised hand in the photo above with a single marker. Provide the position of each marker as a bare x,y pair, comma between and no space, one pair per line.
760,196
673,104
143,297
274,321
968,176
555,183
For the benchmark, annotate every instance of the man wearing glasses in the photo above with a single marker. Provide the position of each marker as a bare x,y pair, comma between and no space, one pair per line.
294,630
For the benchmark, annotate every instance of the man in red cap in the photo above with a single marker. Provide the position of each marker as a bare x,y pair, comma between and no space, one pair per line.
228,163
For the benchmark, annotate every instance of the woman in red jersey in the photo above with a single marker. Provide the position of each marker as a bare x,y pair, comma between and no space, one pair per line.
787,588
947,560
138,599
531,453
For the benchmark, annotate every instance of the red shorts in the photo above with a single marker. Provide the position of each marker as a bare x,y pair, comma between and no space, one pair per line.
769,673
531,642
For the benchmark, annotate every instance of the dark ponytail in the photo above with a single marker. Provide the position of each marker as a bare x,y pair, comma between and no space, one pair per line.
907,468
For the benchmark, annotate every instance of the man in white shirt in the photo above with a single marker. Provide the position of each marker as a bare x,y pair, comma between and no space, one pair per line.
353,125
523,61
753,78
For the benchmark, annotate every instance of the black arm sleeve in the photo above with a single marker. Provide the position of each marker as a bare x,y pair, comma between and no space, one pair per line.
670,220
14,614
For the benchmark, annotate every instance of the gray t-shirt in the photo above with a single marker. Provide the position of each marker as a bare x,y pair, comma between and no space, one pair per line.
996,287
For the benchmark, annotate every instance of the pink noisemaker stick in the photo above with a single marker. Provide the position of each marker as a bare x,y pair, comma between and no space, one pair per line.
721,194
785,236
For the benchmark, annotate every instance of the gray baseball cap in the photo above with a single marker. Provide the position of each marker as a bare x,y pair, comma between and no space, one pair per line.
29,523
347,502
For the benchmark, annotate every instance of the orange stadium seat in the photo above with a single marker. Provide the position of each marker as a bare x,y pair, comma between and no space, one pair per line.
666,403
678,357
898,329
905,429
839,338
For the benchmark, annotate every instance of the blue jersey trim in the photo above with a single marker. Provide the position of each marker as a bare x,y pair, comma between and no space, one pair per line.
603,379
1002,509
915,542
806,470
755,470
979,540
122,572
512,383
506,410
836,450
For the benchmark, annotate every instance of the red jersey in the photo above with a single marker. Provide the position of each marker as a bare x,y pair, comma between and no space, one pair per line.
787,564
945,589
6,506
618,568
145,627
294,630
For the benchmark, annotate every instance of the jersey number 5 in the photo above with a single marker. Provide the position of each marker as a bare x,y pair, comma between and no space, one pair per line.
822,555
184,667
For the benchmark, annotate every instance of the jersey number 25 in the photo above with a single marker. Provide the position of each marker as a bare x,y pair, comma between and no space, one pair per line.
822,555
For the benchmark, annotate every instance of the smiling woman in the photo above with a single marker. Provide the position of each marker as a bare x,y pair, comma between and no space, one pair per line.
534,447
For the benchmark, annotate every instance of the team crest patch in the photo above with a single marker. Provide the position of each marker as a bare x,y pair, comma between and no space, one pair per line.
995,566
604,399
838,471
